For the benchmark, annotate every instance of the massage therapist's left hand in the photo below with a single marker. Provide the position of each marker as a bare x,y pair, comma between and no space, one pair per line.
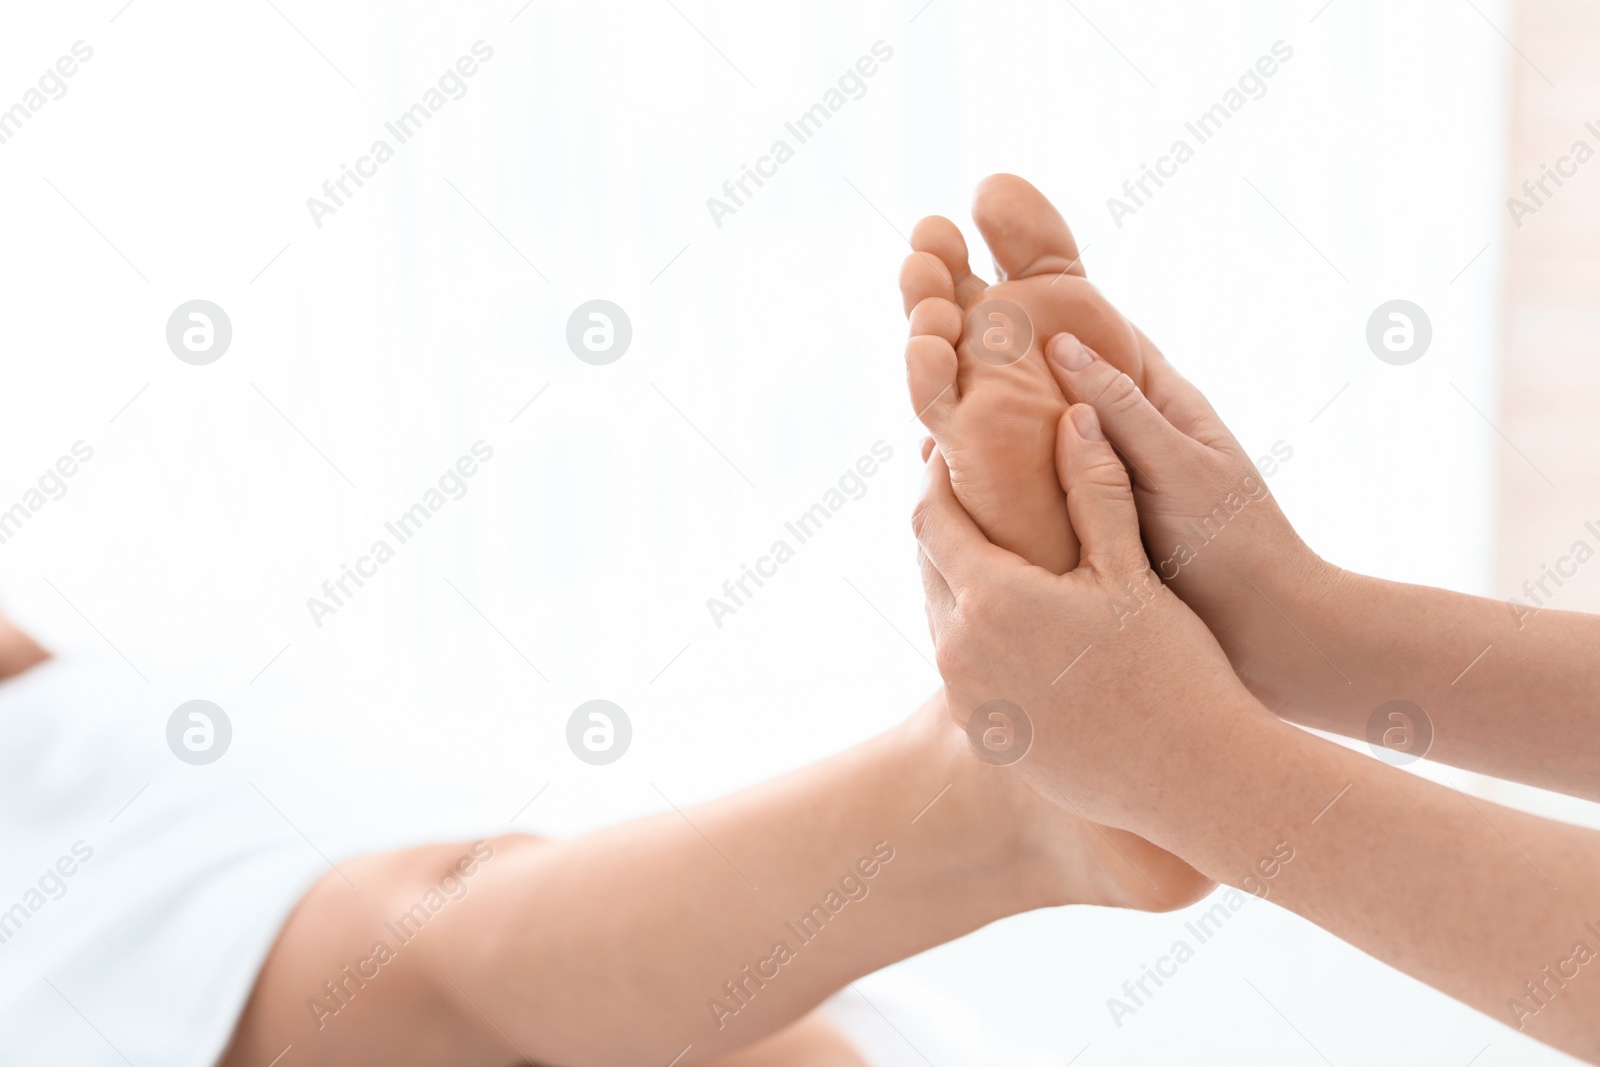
1128,695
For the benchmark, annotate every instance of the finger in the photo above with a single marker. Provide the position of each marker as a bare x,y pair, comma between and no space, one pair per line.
927,448
1144,435
939,600
1099,496
1185,406
951,540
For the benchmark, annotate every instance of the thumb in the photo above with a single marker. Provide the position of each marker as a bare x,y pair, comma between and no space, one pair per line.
951,541
1099,496
1142,433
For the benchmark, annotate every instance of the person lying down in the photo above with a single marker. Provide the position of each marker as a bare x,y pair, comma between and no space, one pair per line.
195,927
157,915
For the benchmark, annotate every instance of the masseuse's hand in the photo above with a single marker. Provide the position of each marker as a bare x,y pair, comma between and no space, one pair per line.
1127,692
1213,531
1151,732
1506,689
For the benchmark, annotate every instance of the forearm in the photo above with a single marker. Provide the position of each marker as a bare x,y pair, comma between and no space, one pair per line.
1508,691
1459,893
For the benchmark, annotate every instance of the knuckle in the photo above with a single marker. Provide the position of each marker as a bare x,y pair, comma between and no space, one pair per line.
949,657
980,608
1119,393
1107,475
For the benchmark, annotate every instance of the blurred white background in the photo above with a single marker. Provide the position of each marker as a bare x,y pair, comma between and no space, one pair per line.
430,313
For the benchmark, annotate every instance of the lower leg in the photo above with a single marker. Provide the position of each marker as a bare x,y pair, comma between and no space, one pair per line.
695,934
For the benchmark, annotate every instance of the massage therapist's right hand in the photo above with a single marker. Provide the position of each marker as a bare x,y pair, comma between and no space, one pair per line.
1214,533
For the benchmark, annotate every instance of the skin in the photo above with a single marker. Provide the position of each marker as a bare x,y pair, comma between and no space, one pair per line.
1317,644
551,942
1158,736
656,958
18,651
1326,647
556,940
537,947
994,413
1163,727
993,416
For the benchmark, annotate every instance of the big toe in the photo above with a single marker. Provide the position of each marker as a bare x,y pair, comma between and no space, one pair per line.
1026,235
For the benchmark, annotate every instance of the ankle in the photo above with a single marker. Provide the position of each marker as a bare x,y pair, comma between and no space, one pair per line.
988,817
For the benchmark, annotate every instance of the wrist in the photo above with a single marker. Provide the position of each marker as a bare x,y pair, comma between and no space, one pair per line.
1284,648
1265,785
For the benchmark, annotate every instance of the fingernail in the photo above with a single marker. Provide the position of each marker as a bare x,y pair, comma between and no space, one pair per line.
1070,353
1083,418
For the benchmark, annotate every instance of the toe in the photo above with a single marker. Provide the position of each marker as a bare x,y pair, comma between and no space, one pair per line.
931,376
938,236
937,317
1026,234
922,277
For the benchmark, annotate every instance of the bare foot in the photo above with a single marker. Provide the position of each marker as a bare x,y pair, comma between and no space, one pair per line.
1066,858
976,367
979,382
